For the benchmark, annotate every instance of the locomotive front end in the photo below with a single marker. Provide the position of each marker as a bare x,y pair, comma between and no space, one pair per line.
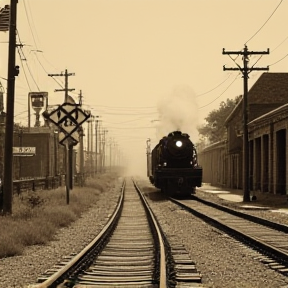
175,165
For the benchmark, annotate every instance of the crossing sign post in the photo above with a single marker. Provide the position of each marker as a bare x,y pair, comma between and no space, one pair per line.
68,117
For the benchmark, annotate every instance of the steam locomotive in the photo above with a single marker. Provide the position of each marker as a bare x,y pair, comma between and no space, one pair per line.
172,165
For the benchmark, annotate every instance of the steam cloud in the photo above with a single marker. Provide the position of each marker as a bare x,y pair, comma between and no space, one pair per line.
178,111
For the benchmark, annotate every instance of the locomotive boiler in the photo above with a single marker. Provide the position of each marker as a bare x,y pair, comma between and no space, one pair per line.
172,165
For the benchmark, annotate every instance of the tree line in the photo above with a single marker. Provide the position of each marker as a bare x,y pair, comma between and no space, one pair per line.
214,129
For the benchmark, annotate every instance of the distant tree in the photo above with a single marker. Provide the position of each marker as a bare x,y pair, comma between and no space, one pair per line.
214,130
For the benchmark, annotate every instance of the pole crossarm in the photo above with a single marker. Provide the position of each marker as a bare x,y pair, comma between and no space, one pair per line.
246,52
60,90
224,68
66,89
61,74
259,69
248,69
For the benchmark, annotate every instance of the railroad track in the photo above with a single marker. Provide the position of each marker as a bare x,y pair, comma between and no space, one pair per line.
269,239
131,251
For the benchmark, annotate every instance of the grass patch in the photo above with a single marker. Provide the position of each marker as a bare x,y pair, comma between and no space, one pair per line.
38,215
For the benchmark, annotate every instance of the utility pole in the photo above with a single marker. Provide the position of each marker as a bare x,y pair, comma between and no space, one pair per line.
81,148
245,71
96,145
148,153
66,83
91,146
104,152
9,127
100,148
69,144
110,154
88,147
80,98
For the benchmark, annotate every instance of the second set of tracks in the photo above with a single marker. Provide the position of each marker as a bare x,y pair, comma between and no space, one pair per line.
268,239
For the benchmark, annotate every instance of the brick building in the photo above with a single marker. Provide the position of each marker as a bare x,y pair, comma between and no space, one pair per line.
267,124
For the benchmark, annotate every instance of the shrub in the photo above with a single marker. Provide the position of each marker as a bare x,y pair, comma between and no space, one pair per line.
34,232
59,216
37,215
9,238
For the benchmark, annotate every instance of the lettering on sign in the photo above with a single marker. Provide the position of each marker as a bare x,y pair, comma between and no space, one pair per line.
25,151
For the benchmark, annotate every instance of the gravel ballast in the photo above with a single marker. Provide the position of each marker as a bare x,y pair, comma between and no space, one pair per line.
20,271
222,261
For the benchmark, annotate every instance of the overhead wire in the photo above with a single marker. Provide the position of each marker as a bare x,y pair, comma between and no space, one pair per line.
198,95
121,107
221,93
278,60
264,23
128,121
26,13
35,43
113,113
106,112
19,48
126,114
279,44
273,51
25,75
113,110
234,60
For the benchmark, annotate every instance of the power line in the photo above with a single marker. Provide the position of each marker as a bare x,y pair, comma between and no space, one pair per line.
24,71
30,72
273,51
279,44
221,93
120,107
213,88
278,60
264,23
29,24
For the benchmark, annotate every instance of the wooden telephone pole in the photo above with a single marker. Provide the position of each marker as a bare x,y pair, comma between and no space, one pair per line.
66,90
9,126
245,71
69,145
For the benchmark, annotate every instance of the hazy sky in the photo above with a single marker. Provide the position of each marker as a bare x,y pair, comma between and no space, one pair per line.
137,61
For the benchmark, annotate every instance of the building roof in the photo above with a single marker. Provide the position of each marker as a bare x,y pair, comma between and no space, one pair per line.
270,115
269,88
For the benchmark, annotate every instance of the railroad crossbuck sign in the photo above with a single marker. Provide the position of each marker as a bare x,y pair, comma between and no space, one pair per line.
68,117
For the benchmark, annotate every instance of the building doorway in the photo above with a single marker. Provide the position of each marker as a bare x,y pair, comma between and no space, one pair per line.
281,162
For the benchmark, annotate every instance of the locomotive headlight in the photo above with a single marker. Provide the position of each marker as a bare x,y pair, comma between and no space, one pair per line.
178,143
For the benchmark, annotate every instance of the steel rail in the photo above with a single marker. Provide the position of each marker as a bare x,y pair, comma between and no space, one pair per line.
163,274
251,240
53,279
